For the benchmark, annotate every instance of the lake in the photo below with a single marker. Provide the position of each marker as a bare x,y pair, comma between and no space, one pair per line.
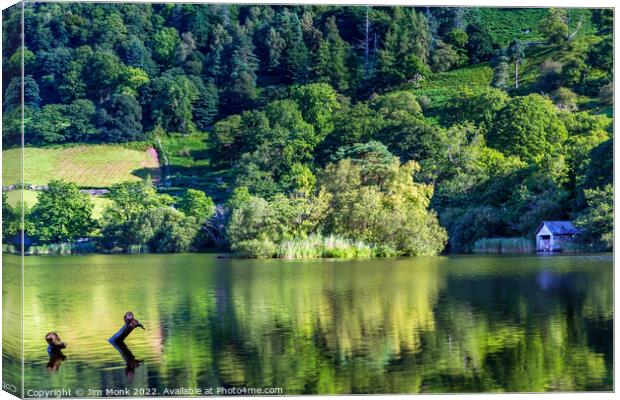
427,324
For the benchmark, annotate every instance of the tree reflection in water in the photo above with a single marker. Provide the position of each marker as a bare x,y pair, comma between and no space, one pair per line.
432,324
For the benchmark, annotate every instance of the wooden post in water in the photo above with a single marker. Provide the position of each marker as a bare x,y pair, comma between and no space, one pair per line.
54,343
130,324
54,349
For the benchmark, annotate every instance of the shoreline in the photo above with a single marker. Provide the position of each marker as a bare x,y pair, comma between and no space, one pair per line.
223,255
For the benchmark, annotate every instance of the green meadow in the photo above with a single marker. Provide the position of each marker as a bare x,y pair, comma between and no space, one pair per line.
30,198
97,166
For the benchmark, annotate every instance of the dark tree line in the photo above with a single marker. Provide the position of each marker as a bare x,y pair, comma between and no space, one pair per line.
111,73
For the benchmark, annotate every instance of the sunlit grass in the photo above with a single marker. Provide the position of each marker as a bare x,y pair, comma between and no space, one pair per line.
86,165
507,24
186,150
319,246
442,88
30,198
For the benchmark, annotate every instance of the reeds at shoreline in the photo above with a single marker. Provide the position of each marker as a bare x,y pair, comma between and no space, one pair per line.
503,245
319,246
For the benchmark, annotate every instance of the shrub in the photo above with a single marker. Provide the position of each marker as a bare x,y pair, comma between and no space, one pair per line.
527,127
310,247
339,247
597,220
195,203
62,213
564,99
577,247
281,218
255,248
470,225
550,78
141,218
606,94
425,102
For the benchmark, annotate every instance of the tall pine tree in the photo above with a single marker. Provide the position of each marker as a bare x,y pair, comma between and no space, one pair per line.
332,56
240,85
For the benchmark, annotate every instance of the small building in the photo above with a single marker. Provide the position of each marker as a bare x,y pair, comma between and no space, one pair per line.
551,235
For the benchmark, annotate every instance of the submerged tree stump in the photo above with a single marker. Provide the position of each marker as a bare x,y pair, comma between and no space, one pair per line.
54,349
130,324
54,343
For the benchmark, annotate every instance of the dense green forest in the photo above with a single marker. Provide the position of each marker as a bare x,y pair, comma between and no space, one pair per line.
309,131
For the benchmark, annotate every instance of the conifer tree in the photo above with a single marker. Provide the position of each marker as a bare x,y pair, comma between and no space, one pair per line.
297,58
240,87
500,70
408,35
331,58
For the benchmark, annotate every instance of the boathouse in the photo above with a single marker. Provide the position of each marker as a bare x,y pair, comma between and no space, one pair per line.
551,235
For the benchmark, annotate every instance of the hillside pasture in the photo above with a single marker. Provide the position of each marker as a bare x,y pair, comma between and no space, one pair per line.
190,165
30,198
506,24
96,166
442,88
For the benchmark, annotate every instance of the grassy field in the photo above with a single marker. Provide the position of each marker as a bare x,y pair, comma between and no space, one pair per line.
30,198
86,165
186,151
14,197
506,24
188,156
442,88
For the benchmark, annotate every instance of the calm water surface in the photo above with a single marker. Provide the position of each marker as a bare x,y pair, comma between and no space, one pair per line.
436,324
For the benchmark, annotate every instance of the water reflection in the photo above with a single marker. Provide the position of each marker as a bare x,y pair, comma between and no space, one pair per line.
438,324
11,324
131,363
55,360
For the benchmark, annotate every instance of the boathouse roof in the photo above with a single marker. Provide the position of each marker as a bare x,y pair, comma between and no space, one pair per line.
559,227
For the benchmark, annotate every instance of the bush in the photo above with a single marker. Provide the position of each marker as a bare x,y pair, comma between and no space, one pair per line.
62,213
140,219
310,247
479,106
338,247
174,232
577,247
255,248
527,127
195,203
467,227
597,220
550,78
425,102
564,99
606,94
281,218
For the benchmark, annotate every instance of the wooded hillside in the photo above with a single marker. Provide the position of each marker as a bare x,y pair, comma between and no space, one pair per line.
401,130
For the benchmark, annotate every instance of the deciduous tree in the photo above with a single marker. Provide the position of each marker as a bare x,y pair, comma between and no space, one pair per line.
62,213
